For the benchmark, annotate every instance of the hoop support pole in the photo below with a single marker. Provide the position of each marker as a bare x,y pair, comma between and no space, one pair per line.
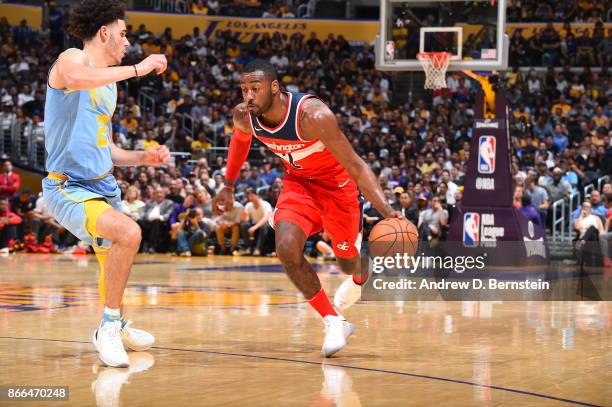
487,88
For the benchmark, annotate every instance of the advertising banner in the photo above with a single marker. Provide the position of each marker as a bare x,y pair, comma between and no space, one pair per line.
249,30
486,215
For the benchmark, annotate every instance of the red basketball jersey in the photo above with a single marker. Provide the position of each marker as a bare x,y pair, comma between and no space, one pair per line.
309,159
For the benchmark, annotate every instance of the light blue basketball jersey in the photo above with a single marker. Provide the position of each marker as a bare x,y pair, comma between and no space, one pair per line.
78,132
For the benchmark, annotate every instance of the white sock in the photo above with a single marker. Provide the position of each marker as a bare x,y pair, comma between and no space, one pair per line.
111,314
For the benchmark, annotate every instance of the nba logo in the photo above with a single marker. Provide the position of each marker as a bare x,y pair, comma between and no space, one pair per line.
390,50
471,229
486,155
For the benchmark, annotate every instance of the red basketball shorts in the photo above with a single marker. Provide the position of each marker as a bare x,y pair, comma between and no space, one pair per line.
332,204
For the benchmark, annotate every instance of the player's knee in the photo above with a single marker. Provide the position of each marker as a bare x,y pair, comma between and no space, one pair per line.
288,252
132,235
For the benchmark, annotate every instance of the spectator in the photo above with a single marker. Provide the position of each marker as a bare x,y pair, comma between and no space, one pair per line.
198,8
268,175
432,220
557,187
528,210
517,197
23,205
192,234
154,222
229,221
371,217
8,225
587,221
451,187
132,206
130,123
538,197
149,141
550,45
10,182
254,227
44,225
322,245
188,203
176,187
597,207
407,208
586,52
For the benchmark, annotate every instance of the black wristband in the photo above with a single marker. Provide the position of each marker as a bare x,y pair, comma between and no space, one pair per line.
135,70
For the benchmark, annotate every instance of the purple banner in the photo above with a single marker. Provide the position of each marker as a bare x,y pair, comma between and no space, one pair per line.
489,180
486,215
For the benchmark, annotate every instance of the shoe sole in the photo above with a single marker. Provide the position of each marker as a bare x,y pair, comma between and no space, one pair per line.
328,355
95,342
137,349
345,307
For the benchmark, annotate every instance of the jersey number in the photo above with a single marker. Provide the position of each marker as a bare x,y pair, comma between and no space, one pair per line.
102,130
290,159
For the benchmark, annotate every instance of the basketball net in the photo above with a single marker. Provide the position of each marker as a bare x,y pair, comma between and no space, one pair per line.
435,65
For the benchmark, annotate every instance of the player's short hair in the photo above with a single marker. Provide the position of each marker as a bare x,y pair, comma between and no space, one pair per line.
89,15
263,66
250,190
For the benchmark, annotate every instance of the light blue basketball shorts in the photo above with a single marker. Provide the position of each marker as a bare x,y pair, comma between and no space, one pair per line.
68,201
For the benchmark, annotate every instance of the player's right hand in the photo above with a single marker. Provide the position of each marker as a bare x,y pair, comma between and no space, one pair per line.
154,62
389,212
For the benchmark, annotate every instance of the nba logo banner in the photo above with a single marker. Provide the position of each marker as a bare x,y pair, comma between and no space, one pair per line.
390,50
471,229
486,155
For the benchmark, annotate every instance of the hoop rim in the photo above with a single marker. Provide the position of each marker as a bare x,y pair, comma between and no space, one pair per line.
429,55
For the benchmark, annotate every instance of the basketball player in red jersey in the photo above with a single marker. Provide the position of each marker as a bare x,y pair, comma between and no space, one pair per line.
320,187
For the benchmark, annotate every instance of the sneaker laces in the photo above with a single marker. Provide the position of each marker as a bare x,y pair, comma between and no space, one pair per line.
130,331
127,330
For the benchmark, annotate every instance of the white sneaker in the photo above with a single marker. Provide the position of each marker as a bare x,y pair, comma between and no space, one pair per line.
337,331
347,294
136,339
107,340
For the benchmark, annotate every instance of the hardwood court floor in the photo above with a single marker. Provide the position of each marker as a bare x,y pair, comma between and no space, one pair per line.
235,332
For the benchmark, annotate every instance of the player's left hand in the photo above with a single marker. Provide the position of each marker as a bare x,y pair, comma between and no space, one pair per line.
156,156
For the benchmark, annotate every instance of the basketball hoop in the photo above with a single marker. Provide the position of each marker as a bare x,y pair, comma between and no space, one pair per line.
435,65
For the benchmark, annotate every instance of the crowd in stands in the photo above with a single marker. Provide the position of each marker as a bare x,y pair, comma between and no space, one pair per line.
574,11
569,46
236,8
560,135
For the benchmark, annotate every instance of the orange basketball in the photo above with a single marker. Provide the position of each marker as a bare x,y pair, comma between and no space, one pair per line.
392,236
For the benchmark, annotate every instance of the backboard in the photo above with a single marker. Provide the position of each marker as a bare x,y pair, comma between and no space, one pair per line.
471,30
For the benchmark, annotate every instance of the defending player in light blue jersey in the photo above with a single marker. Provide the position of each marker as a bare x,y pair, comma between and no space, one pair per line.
80,189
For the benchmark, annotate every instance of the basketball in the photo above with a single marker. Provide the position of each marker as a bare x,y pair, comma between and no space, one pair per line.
392,236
